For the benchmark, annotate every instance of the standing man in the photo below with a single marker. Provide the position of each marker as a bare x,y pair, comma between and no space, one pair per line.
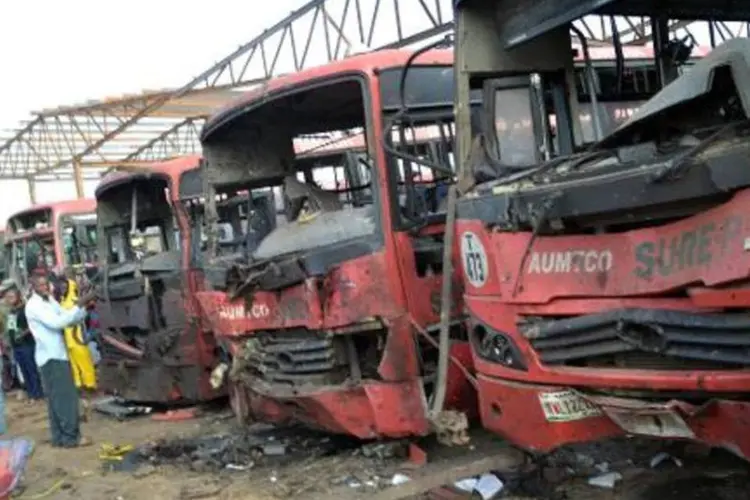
47,320
79,353
22,343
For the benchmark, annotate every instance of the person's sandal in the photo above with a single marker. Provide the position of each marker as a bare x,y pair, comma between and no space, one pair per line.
84,441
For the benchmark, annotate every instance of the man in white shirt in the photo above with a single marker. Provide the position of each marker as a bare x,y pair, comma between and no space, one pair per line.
47,320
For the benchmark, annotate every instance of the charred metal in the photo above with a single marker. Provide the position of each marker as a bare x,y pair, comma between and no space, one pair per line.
154,347
681,340
351,272
299,360
613,265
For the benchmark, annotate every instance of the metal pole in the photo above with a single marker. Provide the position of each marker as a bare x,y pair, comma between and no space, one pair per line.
78,178
32,189
660,36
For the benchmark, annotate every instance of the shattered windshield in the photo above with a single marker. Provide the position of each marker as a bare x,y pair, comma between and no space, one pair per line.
327,180
79,239
36,252
530,126
137,220
314,170
240,217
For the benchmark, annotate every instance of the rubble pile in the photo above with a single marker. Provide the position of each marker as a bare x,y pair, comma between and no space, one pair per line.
245,449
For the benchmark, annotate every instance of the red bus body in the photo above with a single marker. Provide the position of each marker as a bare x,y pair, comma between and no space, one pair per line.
376,299
43,222
155,348
606,298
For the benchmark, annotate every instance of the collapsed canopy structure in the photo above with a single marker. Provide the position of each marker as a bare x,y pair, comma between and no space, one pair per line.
80,142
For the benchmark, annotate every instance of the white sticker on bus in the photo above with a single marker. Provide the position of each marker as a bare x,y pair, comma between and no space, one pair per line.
474,259
566,406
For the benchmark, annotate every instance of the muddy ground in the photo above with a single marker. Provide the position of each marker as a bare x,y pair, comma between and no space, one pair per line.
314,466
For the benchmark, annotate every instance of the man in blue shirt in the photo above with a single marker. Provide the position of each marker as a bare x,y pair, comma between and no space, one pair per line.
47,320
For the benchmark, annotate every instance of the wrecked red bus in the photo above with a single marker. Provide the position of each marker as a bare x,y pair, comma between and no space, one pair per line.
53,236
157,345
331,315
605,285
154,347
284,365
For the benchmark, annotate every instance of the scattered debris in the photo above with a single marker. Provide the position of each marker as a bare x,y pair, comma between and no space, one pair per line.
399,478
386,450
607,480
274,449
690,486
466,485
218,376
417,455
437,474
176,415
451,427
120,458
240,468
661,457
118,408
242,451
353,482
487,485
592,459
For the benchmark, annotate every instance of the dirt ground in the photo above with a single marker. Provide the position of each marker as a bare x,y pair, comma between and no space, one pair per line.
80,474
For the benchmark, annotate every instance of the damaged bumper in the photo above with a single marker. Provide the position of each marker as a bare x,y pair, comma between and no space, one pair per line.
544,417
367,410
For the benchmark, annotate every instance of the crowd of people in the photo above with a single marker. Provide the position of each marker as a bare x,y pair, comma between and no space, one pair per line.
47,351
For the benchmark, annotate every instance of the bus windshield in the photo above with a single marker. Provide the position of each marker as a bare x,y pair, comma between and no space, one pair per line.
29,254
79,239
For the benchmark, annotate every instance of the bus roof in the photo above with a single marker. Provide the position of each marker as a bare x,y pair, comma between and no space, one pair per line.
60,207
312,147
171,169
363,63
374,61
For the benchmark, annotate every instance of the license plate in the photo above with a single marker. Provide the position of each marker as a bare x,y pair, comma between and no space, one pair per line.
566,406
662,424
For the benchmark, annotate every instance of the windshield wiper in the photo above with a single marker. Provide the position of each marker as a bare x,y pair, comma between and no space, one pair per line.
674,167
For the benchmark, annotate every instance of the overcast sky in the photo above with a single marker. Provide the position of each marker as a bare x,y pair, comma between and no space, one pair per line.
65,52
56,53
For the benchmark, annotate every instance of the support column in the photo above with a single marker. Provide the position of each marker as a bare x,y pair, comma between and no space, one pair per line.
78,178
32,189
665,69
